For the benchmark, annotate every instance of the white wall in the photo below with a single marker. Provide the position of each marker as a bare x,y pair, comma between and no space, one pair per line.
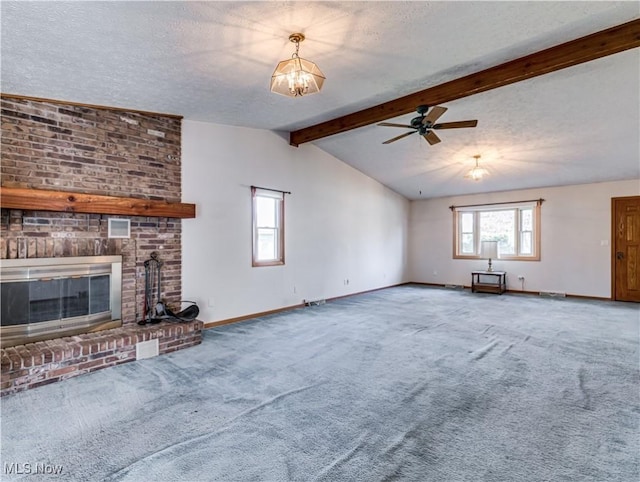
575,241
340,224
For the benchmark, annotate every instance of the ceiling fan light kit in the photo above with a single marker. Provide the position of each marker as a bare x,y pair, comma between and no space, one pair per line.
296,76
425,124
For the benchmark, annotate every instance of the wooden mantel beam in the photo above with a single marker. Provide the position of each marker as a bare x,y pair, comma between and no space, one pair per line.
63,201
584,49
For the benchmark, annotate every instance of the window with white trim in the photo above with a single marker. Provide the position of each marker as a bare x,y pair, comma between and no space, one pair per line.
268,227
515,226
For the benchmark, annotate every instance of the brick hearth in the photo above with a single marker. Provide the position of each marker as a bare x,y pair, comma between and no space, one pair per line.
44,362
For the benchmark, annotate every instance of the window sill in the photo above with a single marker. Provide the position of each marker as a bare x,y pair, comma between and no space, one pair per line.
258,264
510,258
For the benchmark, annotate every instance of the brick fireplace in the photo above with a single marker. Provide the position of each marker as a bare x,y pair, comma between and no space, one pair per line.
47,145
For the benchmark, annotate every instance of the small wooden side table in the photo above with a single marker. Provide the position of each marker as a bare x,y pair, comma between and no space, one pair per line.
489,281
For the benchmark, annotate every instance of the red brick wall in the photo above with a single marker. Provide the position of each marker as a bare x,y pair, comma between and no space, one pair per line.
49,145
83,149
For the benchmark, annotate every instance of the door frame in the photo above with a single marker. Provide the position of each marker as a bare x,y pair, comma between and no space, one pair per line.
612,244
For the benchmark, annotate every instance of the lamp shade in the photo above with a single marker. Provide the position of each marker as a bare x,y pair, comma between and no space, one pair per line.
489,250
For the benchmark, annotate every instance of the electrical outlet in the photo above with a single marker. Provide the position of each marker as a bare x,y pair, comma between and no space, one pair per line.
520,278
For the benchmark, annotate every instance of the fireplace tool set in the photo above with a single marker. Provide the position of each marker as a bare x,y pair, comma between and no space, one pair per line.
155,310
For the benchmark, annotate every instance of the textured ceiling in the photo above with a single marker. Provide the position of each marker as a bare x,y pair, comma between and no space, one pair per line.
212,61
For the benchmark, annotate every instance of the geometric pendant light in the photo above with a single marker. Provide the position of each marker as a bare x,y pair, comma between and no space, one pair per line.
296,77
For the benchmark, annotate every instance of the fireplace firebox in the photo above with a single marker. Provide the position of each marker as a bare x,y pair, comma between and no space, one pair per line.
46,298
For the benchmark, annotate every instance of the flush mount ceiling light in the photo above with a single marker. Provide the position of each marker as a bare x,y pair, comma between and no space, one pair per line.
296,77
477,173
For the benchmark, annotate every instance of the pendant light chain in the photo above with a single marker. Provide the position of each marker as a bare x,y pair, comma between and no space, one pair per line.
295,54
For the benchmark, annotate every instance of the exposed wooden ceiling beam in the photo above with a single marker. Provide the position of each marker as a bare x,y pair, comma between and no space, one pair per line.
574,52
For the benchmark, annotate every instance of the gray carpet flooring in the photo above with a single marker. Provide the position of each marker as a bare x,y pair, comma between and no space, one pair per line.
408,383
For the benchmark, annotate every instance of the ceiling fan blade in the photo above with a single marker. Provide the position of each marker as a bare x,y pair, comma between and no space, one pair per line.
399,137
391,124
434,114
456,125
431,137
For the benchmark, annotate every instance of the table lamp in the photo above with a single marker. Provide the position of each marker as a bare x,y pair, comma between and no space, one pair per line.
489,250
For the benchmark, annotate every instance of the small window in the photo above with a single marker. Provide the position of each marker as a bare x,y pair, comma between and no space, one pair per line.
516,228
268,227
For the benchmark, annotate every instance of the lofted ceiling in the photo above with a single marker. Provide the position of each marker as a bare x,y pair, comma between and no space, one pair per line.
212,61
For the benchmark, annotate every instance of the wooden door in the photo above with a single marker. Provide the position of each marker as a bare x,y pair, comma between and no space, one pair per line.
626,248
